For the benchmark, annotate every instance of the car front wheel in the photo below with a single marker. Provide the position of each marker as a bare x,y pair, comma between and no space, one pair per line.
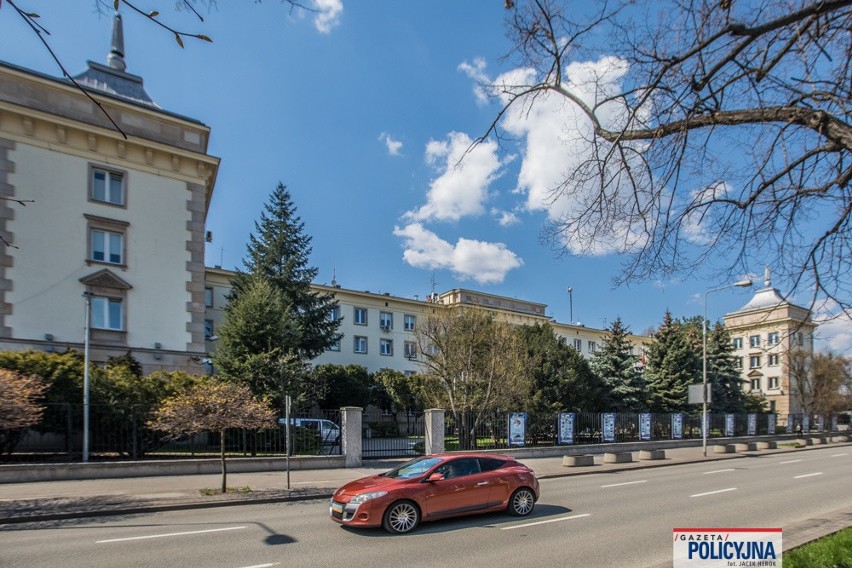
401,517
522,502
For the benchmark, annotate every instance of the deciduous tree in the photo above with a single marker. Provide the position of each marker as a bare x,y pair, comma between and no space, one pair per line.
20,406
704,134
470,364
213,406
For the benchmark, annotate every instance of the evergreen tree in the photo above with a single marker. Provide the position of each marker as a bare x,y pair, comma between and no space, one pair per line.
560,379
615,364
254,340
722,373
672,364
279,252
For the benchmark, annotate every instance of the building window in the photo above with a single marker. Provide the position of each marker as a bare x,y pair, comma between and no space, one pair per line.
107,186
386,320
334,346
334,315
592,346
410,349
772,338
755,384
754,362
107,239
409,322
208,297
738,342
360,344
578,345
754,340
360,316
208,329
107,313
773,360
738,362
107,246
386,347
773,383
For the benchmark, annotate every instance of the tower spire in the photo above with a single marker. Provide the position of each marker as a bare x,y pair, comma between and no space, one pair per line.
115,59
766,277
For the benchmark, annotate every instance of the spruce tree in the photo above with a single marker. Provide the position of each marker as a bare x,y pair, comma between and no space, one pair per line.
672,364
279,251
615,364
722,372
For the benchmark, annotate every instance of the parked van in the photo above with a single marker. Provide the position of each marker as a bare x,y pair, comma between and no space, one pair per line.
329,432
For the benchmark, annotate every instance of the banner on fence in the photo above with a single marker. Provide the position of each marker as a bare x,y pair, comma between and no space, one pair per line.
770,423
677,426
644,426
752,424
729,425
806,423
818,424
834,423
608,427
517,428
566,427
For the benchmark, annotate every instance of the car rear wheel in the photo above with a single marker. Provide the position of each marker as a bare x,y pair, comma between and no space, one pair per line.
401,517
522,502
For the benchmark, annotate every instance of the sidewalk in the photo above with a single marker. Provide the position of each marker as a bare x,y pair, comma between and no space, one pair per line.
57,500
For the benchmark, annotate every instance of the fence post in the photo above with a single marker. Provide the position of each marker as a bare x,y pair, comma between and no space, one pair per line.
434,425
350,443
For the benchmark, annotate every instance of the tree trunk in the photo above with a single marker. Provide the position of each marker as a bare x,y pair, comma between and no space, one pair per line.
224,467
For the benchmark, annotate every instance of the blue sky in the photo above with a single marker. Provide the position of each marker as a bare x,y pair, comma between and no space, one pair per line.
362,109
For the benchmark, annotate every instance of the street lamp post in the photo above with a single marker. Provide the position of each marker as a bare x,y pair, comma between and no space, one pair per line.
571,305
741,284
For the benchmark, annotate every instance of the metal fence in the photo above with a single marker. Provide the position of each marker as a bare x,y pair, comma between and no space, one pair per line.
392,435
491,430
125,435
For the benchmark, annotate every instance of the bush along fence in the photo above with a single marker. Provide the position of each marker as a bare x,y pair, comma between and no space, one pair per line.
125,435
371,433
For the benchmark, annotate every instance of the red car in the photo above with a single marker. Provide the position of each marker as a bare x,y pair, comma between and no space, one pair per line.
436,487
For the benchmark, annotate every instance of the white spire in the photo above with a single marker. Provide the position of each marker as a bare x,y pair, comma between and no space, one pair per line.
115,59
766,277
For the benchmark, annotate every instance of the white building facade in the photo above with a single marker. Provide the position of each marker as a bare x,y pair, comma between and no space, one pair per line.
96,218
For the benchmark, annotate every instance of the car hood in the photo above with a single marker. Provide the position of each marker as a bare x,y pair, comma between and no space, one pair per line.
367,484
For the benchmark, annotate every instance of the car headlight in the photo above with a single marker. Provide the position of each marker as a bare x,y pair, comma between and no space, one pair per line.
363,497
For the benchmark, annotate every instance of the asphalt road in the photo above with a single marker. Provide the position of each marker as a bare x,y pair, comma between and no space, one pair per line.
623,519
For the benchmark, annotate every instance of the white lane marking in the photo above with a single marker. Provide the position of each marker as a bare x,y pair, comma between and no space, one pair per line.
545,522
839,455
791,461
263,565
165,535
714,492
626,483
808,475
718,471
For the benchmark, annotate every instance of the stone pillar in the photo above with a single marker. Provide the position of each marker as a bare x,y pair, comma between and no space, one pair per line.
350,443
434,422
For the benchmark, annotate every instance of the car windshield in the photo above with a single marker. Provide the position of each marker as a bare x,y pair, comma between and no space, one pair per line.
414,468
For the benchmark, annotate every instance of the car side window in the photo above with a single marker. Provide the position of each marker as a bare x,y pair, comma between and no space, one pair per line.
490,464
459,468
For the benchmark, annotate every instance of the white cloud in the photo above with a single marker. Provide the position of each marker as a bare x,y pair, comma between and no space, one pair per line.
835,328
556,137
476,71
327,14
394,146
505,218
466,173
694,227
486,263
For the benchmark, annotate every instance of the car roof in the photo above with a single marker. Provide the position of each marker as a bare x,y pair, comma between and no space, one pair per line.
456,455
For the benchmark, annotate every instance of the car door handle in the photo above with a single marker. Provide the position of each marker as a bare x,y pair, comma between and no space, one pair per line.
481,483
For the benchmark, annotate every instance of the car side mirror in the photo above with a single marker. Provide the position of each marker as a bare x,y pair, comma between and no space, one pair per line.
435,477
